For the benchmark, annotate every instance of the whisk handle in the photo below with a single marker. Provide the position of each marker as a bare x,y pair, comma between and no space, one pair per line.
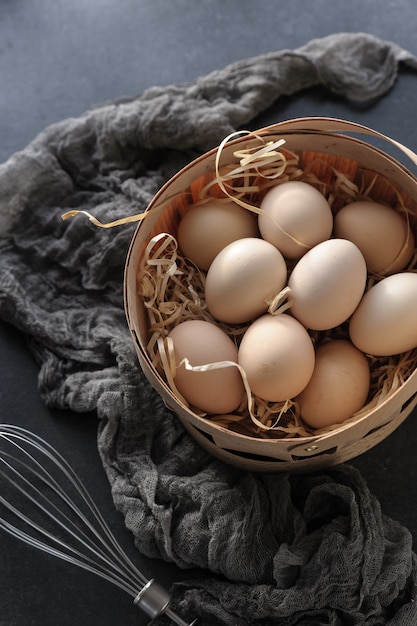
154,600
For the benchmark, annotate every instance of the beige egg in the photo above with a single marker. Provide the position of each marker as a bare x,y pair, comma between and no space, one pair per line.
202,343
277,355
297,217
380,232
385,322
207,228
327,284
243,279
339,386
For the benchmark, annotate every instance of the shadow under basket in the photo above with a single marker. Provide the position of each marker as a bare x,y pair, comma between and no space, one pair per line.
330,143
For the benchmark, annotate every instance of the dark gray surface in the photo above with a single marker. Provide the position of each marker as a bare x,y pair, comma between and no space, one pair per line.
56,60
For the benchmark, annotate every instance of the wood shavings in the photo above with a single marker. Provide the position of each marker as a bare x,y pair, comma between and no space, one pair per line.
172,288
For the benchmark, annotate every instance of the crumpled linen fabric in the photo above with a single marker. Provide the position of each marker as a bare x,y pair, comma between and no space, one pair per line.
277,549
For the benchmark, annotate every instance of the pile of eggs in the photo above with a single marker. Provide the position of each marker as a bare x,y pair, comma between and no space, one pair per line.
321,262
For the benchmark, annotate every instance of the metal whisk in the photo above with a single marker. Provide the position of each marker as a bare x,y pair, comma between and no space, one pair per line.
36,474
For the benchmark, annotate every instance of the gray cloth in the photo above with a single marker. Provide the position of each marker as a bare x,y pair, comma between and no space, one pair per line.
288,550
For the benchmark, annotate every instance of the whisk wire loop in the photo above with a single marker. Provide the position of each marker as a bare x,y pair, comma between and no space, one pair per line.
26,466
63,520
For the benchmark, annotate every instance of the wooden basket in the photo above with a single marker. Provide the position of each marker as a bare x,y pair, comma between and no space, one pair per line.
307,137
